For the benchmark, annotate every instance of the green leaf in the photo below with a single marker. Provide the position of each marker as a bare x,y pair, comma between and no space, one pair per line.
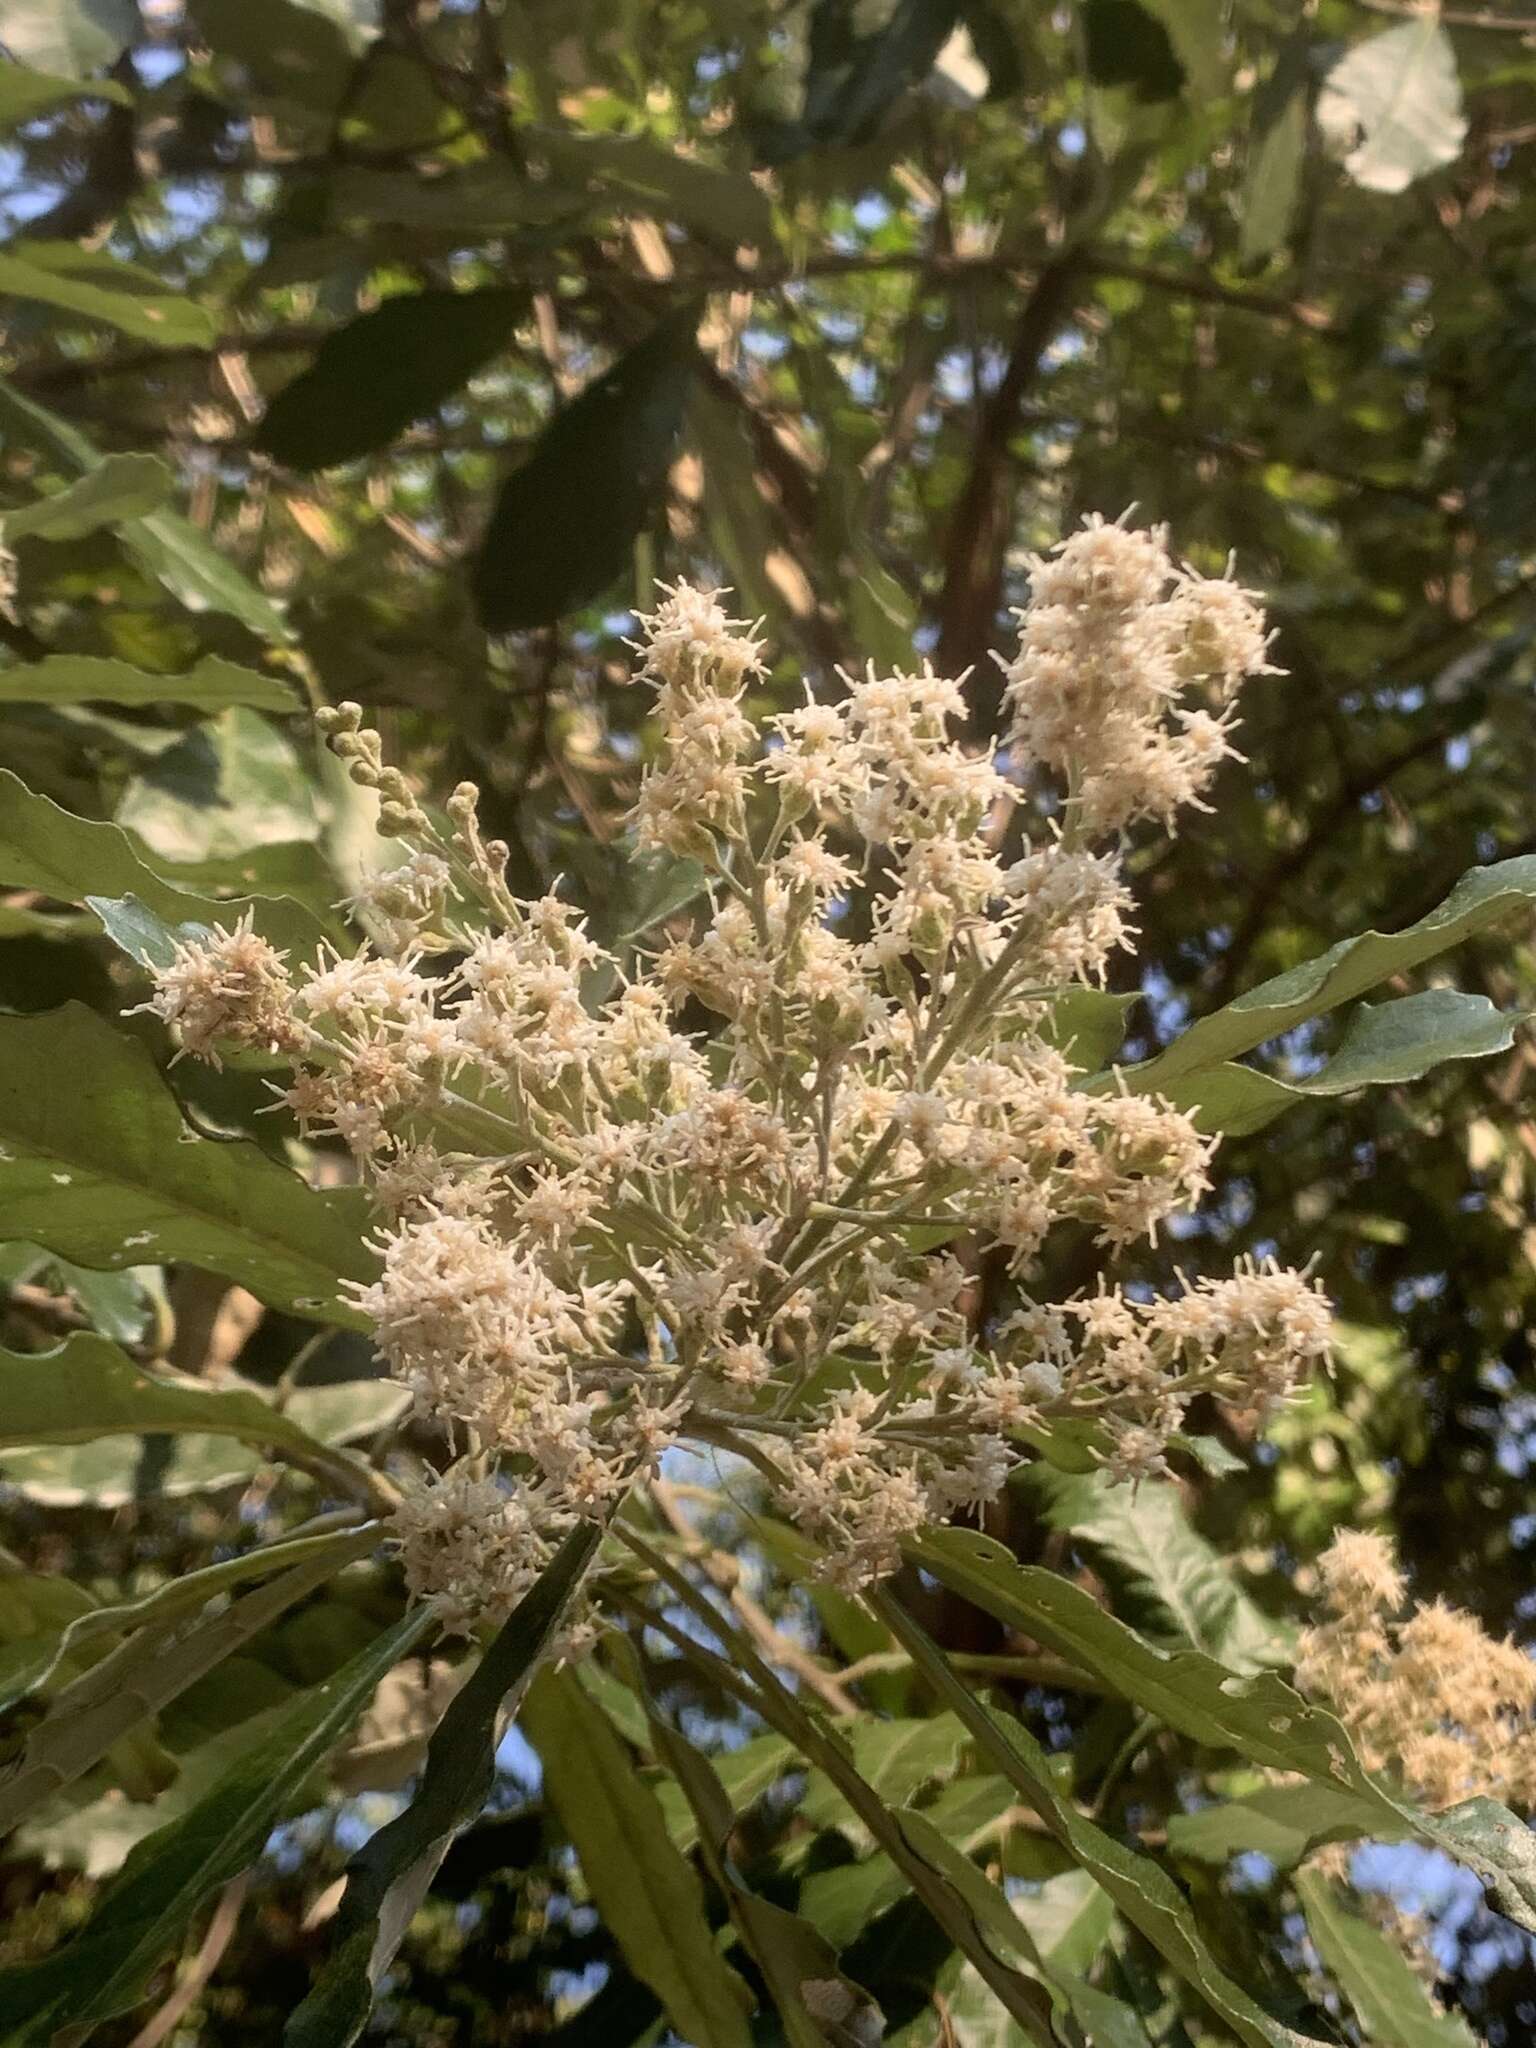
213,685
166,545
1377,1977
76,860
1005,1928
106,1466
1183,1588
87,1387
841,1901
58,1647
896,1758
120,487
1069,1919
230,785
1283,1822
389,1876
371,378
1194,29
723,206
648,1896
1088,1024
1277,148
135,1680
305,54
98,1163
1384,1046
1394,103
1262,1717
147,1909
566,519
1129,46
25,93
72,37
1481,898
1142,1890
94,284
789,1949
852,80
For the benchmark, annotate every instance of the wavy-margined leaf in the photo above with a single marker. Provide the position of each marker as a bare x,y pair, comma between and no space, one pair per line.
1482,897
120,487
142,1674
1180,1586
389,1876
213,685
86,1630
146,1910
1142,1889
1377,1978
46,848
371,378
1397,99
1384,1046
104,290
98,1163
641,1884
165,544
567,517
896,1758
1261,1716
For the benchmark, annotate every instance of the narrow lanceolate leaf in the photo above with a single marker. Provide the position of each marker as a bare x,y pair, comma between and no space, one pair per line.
645,1890
1481,898
1108,2022
168,546
1142,1889
135,1680
120,487
1374,1974
389,1876
1397,99
98,1163
86,1388
213,685
92,1630
104,291
1262,1717
48,849
1277,149
146,1911
371,378
789,1949
1385,1045
567,518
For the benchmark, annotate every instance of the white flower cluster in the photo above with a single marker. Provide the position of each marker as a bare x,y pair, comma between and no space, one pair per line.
739,1198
